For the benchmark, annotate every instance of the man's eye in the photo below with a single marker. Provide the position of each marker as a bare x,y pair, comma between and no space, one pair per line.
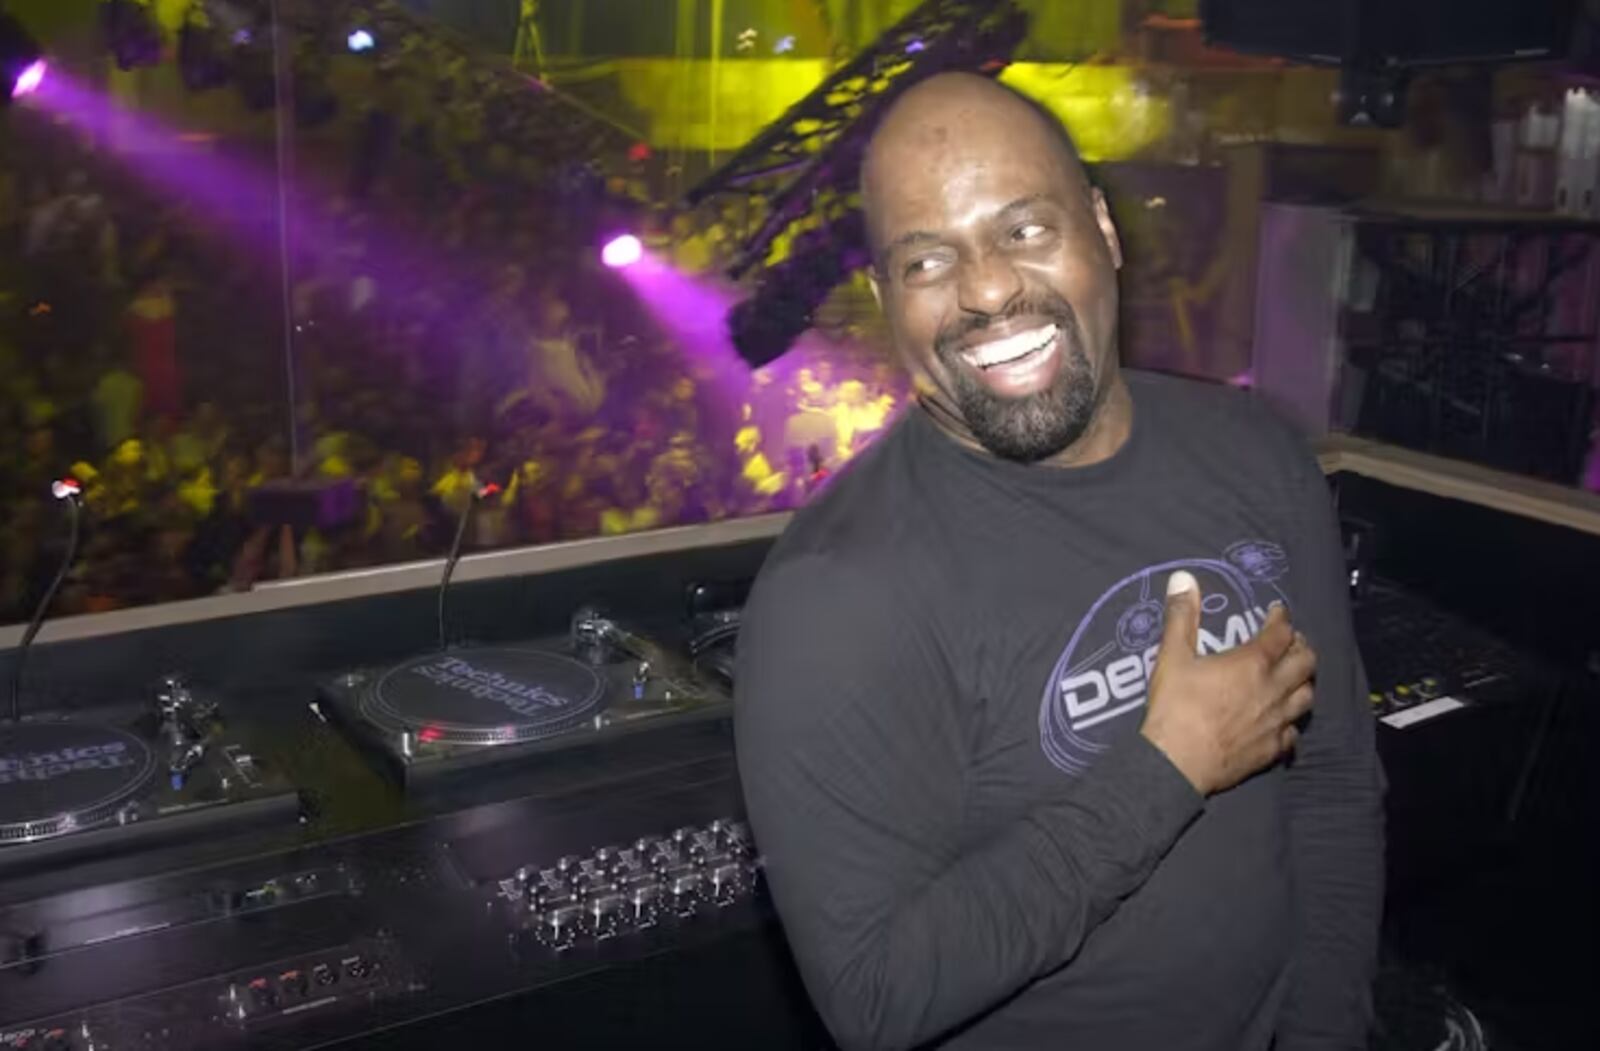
1028,232
921,267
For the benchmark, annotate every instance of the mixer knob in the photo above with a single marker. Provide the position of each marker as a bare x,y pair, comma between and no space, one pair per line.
558,928
606,914
727,880
643,894
556,899
685,886
644,904
608,859
592,885
569,866
651,852
1429,686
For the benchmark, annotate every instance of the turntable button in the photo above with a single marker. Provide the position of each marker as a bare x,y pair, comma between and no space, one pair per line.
358,966
262,994
294,983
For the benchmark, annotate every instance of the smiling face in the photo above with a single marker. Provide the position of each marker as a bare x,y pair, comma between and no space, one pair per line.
995,263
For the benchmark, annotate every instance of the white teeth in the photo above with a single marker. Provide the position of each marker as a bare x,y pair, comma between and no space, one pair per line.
1011,348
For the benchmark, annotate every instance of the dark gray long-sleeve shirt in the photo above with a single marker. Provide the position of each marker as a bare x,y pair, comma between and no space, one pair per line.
941,679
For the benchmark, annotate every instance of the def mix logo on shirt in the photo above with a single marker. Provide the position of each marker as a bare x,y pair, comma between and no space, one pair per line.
1102,677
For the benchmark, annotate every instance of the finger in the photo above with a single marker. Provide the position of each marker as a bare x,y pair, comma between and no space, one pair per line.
1298,702
1297,666
1288,737
1181,632
1276,634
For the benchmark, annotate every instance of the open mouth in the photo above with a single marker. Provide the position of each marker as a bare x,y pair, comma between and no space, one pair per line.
1015,350
1021,365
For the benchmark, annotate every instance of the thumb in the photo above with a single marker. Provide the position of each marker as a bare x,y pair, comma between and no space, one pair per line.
1181,632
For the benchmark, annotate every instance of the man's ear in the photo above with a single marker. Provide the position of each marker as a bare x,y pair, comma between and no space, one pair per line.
1108,229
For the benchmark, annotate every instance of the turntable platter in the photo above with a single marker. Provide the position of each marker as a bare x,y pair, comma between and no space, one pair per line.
59,777
487,696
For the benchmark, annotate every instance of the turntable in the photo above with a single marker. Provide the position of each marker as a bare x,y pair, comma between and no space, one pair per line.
97,781
462,709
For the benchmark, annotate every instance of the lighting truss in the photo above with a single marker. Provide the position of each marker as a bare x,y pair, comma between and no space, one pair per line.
811,154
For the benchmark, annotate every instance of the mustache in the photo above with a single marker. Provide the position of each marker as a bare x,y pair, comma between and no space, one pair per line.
952,336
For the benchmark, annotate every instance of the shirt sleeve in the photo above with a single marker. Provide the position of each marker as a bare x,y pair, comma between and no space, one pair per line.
852,757
1334,791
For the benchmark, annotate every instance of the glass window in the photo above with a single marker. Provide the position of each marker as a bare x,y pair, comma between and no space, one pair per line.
458,332
141,315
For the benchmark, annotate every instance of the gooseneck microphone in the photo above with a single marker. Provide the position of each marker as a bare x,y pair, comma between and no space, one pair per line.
479,493
69,492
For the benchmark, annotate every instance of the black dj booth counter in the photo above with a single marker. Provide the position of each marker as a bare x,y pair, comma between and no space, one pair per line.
341,865
315,882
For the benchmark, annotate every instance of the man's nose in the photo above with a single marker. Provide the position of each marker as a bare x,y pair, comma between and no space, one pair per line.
988,283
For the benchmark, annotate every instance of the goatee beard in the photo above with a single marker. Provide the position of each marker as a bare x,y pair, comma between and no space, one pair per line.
1036,426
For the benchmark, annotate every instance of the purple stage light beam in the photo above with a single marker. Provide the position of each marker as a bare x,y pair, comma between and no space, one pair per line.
694,312
232,193
238,196
29,79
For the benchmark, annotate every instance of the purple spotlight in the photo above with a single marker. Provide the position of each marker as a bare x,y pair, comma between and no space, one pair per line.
29,79
621,251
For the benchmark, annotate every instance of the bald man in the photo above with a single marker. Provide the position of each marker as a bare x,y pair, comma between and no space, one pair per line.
1050,720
